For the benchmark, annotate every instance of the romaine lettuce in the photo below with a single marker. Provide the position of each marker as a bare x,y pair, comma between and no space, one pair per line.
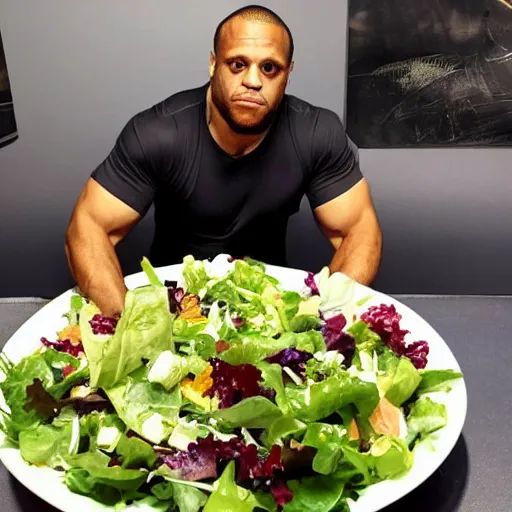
143,332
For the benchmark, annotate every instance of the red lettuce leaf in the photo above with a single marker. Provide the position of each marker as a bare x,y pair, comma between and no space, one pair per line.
176,295
310,282
417,352
253,467
64,346
103,324
232,384
281,493
336,339
201,460
385,321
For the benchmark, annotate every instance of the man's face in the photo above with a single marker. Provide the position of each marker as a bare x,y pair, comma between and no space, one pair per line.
250,74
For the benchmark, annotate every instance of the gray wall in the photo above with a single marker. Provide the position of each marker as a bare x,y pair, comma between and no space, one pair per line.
79,70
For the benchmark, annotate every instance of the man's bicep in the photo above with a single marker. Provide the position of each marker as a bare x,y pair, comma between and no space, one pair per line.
97,205
337,217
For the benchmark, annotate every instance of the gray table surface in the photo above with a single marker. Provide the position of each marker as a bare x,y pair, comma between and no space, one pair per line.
476,475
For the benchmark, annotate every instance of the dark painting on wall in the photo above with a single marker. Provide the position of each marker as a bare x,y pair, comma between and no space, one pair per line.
8,129
427,73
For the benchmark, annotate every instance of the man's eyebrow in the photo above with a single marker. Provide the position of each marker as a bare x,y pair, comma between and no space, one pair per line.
274,60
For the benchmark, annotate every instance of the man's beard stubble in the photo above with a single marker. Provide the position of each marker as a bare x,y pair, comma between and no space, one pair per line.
257,129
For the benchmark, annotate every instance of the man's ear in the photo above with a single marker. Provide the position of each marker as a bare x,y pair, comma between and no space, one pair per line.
290,71
211,66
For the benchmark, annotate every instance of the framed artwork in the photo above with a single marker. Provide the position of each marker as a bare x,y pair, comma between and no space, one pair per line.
429,73
8,128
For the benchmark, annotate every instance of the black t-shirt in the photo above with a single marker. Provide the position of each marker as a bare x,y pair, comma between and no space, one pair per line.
208,202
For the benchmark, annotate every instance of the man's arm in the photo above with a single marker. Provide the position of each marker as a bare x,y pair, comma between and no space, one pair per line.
350,223
99,221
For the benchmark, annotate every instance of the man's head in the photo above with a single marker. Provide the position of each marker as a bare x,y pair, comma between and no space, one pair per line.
250,68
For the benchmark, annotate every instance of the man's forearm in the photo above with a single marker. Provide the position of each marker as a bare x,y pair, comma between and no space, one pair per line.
359,254
95,267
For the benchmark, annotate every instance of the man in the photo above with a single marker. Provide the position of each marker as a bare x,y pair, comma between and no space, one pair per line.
225,166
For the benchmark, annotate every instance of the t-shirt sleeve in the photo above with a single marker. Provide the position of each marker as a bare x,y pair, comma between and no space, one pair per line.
126,173
334,164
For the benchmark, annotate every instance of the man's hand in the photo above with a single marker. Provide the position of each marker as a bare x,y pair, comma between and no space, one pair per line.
99,222
351,225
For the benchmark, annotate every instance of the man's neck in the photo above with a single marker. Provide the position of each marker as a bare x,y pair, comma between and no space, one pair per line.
231,142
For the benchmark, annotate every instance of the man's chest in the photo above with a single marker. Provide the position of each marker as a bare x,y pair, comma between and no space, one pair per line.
223,192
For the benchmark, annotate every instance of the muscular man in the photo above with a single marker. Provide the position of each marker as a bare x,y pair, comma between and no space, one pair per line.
225,166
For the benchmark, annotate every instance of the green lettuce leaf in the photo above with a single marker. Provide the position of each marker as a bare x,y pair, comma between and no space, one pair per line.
311,341
287,307
402,382
75,305
425,417
49,444
325,364
169,369
151,504
229,497
91,425
253,412
143,332
145,407
390,458
192,339
194,274
436,380
321,399
272,376
90,475
57,361
185,433
253,348
318,493
303,323
281,429
251,277
328,440
225,291
365,338
188,496
135,453
150,272
45,365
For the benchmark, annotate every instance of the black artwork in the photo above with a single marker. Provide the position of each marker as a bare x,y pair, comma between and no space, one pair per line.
8,129
430,73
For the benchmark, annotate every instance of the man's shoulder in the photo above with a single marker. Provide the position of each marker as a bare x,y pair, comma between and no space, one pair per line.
179,103
155,127
310,123
312,126
302,111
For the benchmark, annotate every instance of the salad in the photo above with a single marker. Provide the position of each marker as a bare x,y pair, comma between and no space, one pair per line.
223,391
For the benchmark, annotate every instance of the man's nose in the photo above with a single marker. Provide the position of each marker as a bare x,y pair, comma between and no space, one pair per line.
252,79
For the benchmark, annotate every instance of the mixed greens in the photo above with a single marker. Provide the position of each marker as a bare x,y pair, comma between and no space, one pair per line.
225,392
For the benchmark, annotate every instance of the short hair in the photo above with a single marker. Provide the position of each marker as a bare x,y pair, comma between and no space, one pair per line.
255,13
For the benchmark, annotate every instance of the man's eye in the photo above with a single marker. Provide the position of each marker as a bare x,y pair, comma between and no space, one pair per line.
269,67
237,65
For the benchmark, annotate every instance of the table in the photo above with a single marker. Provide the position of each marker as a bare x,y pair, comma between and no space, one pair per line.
476,475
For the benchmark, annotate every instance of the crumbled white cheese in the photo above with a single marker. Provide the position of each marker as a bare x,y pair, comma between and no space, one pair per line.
108,437
153,428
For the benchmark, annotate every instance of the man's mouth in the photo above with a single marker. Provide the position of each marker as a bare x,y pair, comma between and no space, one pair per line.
249,100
